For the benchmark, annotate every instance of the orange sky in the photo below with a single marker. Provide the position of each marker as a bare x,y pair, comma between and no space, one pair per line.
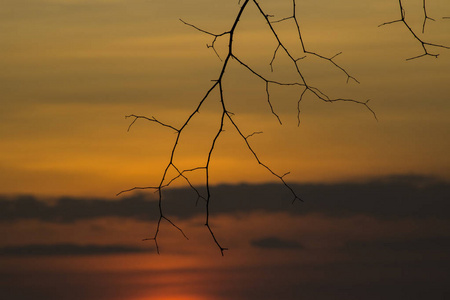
375,219
72,70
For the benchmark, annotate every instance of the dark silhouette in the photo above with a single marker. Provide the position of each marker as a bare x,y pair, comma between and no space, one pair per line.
301,82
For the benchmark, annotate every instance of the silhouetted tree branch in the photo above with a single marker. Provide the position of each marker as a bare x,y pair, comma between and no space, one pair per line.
422,42
300,81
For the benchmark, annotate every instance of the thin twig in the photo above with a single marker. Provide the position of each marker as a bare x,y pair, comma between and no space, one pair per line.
425,17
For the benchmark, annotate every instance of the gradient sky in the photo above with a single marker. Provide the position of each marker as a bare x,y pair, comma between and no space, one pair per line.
70,72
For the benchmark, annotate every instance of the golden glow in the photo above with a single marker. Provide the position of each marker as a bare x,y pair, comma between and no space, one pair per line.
172,297
67,86
72,69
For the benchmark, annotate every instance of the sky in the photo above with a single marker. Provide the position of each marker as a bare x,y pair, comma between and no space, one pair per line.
374,221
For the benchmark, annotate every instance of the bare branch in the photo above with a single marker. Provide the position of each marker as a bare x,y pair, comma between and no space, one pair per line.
273,58
281,20
152,119
137,188
216,36
300,81
259,161
270,103
263,78
298,105
426,17
423,43
252,134
297,26
390,22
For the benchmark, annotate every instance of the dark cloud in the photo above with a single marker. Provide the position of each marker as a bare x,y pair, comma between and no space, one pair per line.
434,244
68,249
384,264
275,243
69,209
388,197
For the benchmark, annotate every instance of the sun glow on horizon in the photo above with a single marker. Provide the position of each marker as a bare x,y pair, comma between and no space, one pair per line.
174,297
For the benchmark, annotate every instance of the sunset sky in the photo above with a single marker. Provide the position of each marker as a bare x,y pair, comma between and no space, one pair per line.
375,216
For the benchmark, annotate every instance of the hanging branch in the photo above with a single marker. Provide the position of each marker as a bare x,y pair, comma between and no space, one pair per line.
423,43
226,117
